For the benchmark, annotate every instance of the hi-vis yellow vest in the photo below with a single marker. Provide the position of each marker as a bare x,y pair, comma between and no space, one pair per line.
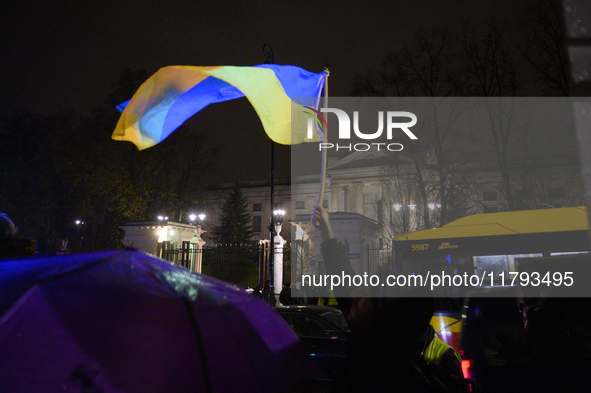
436,349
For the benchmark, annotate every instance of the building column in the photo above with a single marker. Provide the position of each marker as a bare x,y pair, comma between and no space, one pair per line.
336,198
359,195
346,200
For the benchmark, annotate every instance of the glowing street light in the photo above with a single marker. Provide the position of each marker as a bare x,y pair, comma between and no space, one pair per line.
80,231
193,217
279,215
197,242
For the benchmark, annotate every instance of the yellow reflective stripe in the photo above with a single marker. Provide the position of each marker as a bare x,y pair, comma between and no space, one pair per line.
436,349
332,301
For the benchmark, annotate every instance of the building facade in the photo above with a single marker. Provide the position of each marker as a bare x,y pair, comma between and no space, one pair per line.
370,200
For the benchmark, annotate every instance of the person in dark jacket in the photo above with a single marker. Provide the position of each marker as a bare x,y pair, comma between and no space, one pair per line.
385,346
442,355
257,291
266,290
285,295
7,227
10,244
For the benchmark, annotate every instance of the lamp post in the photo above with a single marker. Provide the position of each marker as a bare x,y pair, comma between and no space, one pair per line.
162,242
79,224
197,242
407,212
270,59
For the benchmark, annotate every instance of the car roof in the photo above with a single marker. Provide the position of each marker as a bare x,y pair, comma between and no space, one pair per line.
314,310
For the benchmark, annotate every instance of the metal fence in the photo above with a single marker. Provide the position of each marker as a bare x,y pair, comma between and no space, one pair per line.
242,264
377,259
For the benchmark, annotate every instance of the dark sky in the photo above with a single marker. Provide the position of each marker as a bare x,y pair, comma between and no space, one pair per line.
66,54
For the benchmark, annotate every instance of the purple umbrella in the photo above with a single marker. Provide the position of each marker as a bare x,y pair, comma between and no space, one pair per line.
124,321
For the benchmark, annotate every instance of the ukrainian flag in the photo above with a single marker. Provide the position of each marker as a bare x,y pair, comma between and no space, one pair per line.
175,93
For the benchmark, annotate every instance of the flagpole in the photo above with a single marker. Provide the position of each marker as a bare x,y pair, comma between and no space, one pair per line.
270,59
325,139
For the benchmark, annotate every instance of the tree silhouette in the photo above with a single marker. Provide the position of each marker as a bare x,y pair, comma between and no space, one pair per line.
235,220
60,168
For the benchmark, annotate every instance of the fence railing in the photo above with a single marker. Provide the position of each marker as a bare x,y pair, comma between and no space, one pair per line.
247,264
242,264
377,260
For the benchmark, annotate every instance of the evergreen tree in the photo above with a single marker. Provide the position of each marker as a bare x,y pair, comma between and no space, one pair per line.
235,220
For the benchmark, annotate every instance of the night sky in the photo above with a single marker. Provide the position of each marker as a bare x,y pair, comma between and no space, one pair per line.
66,54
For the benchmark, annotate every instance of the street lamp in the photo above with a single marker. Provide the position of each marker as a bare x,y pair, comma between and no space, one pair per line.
197,242
270,59
279,216
197,224
276,222
79,224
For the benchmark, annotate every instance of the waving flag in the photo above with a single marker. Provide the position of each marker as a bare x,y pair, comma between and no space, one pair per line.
175,93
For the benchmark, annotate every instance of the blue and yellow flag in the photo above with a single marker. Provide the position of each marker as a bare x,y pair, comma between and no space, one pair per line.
175,93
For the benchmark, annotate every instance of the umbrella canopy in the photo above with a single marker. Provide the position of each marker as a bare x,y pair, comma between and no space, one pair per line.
124,321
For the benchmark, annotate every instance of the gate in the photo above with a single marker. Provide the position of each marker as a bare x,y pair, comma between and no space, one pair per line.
240,264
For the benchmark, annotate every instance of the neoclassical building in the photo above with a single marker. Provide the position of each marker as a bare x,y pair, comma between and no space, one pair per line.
370,200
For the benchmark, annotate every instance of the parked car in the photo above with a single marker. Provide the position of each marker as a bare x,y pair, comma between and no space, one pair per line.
322,330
